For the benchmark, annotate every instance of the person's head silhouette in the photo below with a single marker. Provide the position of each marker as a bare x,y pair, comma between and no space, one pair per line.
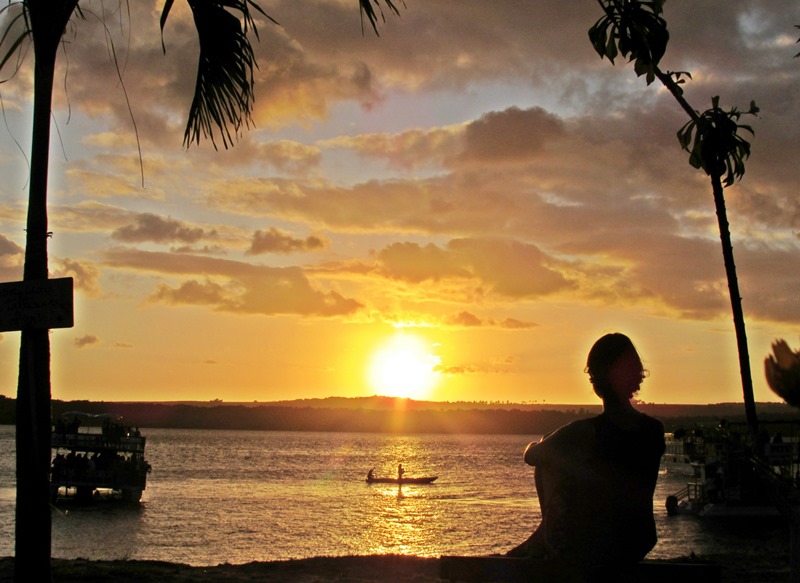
615,368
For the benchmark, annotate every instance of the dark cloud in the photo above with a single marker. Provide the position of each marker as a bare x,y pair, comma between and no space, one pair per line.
87,340
276,241
511,135
150,227
9,247
12,257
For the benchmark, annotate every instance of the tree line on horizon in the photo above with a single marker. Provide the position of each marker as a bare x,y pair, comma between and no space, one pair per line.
436,420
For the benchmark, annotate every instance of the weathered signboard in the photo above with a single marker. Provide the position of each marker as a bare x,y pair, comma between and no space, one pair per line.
40,304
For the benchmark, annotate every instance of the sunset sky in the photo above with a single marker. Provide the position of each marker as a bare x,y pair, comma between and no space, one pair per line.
454,210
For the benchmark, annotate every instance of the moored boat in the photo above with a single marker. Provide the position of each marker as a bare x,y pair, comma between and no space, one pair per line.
95,455
403,480
734,477
679,454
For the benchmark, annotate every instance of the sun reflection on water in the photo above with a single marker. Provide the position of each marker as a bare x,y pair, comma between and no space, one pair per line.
402,519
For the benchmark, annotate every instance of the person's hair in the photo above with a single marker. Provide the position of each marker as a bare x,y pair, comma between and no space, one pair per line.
603,354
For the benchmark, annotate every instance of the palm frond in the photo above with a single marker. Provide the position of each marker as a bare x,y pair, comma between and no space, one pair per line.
16,32
223,96
368,9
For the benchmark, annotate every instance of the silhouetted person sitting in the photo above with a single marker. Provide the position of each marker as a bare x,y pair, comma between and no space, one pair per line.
595,477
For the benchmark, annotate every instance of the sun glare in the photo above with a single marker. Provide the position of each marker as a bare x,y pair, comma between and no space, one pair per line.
403,366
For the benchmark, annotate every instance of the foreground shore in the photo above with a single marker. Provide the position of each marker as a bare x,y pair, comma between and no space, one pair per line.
365,569
739,567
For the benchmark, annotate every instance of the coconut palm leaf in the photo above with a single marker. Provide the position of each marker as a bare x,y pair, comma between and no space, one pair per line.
368,9
223,96
18,23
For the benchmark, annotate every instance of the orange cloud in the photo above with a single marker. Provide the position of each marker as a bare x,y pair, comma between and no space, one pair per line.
507,267
85,275
249,288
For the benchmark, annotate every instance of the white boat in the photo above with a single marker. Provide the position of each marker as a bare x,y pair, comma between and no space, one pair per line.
676,460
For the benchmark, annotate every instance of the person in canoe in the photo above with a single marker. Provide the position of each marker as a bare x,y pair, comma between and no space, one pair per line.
595,477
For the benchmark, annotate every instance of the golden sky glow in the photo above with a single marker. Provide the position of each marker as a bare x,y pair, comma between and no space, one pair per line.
477,179
403,366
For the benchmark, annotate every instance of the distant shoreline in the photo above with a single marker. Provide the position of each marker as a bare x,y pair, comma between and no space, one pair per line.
389,415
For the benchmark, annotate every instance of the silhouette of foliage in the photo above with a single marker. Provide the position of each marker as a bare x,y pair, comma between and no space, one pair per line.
798,40
634,30
368,10
782,369
223,97
714,144
223,93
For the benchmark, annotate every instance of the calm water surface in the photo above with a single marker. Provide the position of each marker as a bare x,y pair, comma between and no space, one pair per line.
241,496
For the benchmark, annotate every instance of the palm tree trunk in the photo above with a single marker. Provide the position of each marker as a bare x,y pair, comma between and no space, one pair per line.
736,306
730,268
33,526
33,523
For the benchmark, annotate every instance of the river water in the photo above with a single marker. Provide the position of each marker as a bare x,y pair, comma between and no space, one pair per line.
239,496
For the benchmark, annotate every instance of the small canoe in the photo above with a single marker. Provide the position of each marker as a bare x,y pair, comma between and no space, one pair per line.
403,480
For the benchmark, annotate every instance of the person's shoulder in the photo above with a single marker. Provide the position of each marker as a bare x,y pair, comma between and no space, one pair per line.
654,422
580,427
652,425
572,430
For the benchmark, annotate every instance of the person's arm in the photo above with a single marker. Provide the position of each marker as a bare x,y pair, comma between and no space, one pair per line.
561,445
531,456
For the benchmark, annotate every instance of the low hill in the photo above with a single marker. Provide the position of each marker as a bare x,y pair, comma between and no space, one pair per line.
389,415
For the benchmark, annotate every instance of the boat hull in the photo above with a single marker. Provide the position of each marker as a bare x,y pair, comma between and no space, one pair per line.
422,480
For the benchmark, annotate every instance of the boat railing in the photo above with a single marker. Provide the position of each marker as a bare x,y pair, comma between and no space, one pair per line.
682,494
696,491
693,492
97,441
779,454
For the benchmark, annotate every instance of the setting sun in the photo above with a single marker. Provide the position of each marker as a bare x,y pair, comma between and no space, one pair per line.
403,366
